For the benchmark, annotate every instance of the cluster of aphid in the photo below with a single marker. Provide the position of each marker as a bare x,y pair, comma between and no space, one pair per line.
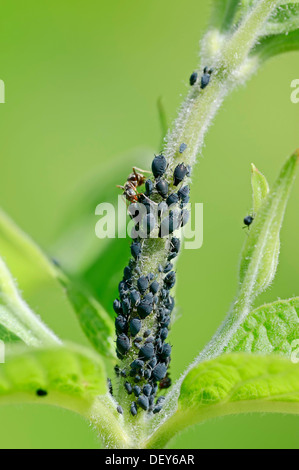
141,345
204,79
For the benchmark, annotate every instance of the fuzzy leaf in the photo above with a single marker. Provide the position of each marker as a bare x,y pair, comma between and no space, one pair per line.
17,319
223,13
260,253
275,44
272,328
232,384
284,20
260,188
95,322
69,375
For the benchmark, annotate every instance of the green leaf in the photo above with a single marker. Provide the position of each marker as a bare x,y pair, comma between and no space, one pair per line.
7,336
93,319
275,44
70,377
261,250
284,20
272,328
232,384
17,318
223,13
260,188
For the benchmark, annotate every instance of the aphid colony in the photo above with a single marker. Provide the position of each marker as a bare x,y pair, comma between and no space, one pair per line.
145,305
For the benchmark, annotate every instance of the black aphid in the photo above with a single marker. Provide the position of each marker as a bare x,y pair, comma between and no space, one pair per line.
117,306
168,268
182,147
149,186
159,372
117,370
193,78
159,166
134,297
146,333
41,392
183,194
170,279
142,284
120,410
154,287
162,188
205,78
135,250
147,374
157,409
162,207
120,324
143,402
163,333
166,351
136,390
147,390
123,373
123,343
169,224
173,198
248,220
185,215
152,363
133,409
135,326
137,378
175,244
128,387
126,306
179,173
127,273
147,351
137,364
150,222
144,309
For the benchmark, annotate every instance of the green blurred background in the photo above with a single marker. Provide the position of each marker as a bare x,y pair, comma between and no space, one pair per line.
82,82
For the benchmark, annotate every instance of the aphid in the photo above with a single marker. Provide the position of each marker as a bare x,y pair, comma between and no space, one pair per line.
147,374
120,410
136,390
128,387
120,324
179,173
159,165
169,224
157,409
162,187
173,198
150,276
143,402
133,409
154,287
165,383
158,345
168,268
135,326
146,333
160,399
166,351
117,306
123,373
137,364
147,351
152,363
147,390
183,194
163,333
110,388
142,284
206,77
149,222
41,393
193,78
162,207
134,180
150,339
117,370
185,215
144,309
159,372
170,304
126,306
127,273
248,220
182,147
166,322
149,187
134,297
123,343
170,279
135,250
137,378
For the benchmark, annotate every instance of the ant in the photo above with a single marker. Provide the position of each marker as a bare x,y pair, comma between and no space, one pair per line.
134,180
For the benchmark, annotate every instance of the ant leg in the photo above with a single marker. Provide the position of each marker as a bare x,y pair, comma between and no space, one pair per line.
135,168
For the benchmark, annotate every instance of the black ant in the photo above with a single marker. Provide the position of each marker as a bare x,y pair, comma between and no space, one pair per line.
134,180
